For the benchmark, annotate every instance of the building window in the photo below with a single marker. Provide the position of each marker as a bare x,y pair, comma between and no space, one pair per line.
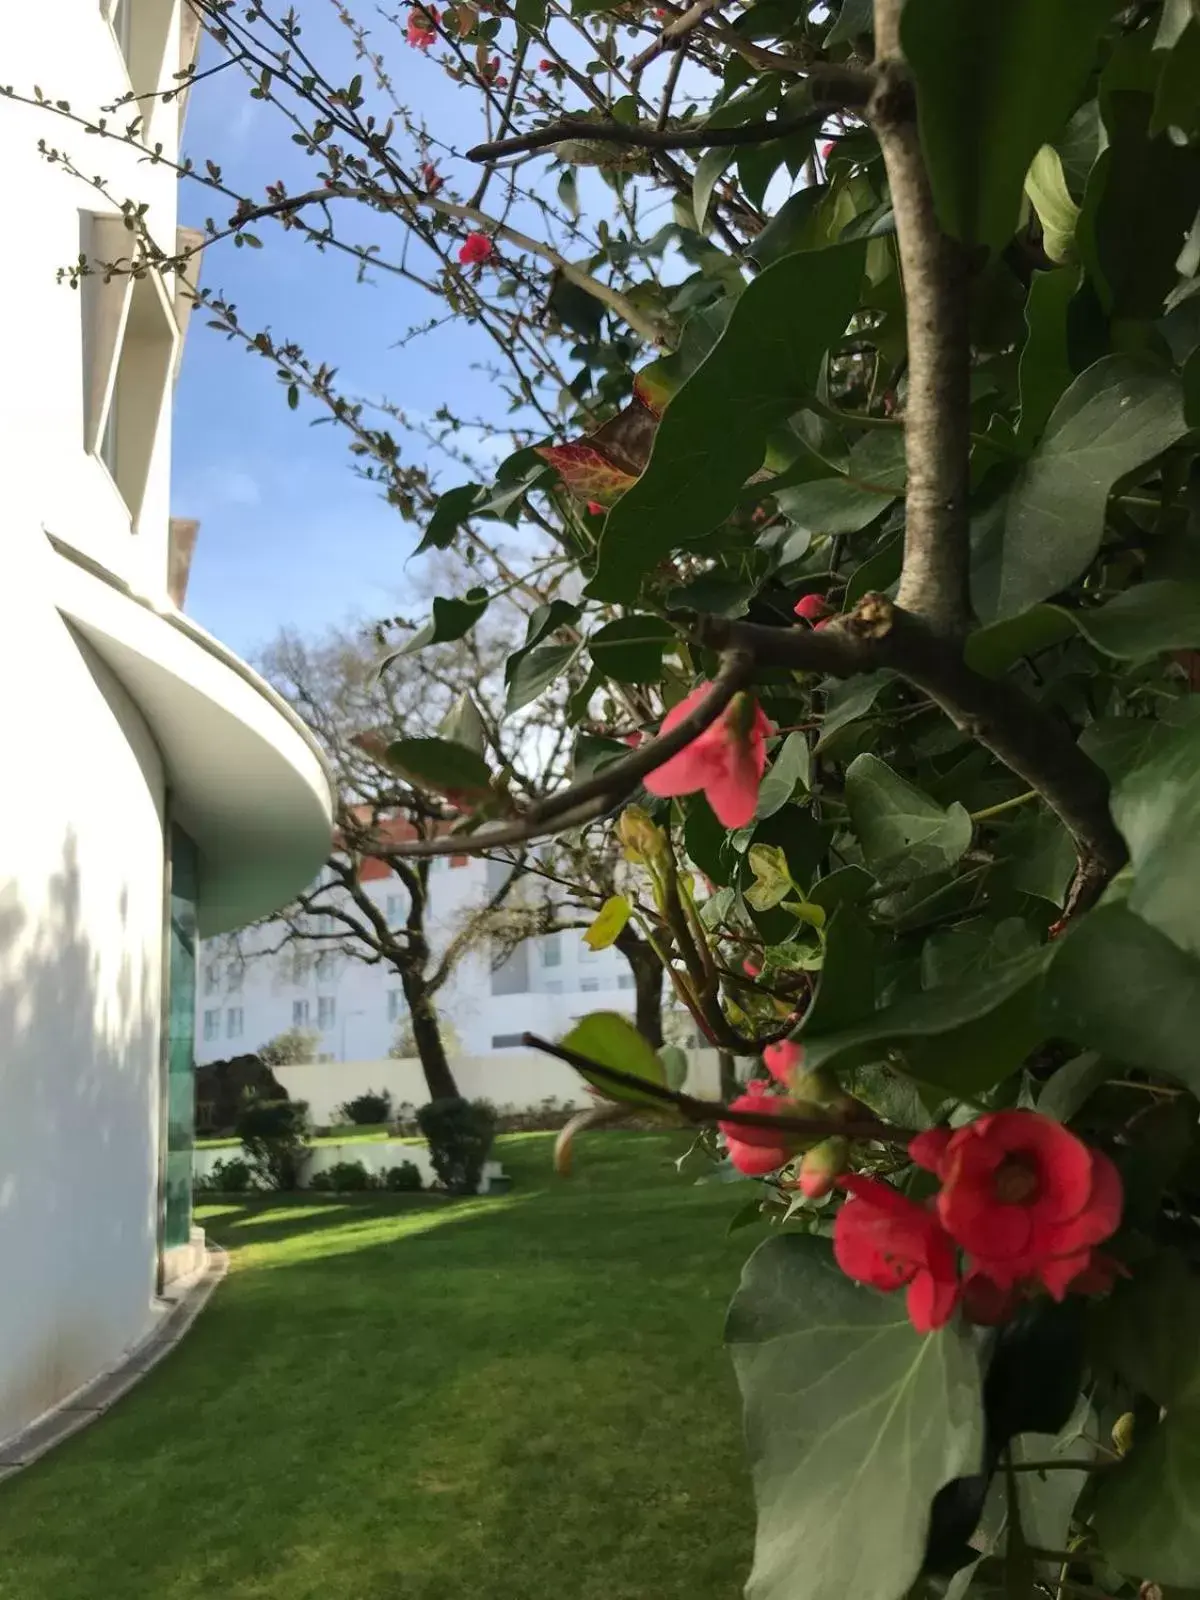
554,986
326,1011
551,951
512,975
181,1042
234,1020
212,977
212,1025
301,965
395,1003
589,985
625,980
299,1013
507,1041
129,342
395,910
326,965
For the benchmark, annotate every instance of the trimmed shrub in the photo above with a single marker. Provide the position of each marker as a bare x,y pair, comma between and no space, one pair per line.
459,1134
274,1135
234,1176
404,1179
367,1109
343,1177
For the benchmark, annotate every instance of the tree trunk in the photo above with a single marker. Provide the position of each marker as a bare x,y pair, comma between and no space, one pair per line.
727,1067
428,1038
647,972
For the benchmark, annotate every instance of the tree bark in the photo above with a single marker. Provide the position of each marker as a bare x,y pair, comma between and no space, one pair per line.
427,1036
647,972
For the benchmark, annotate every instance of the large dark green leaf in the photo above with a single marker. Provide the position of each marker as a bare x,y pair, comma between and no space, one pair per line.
713,434
1119,986
452,510
537,670
1045,369
1157,808
853,1423
1147,1510
789,767
903,833
965,1037
451,619
1142,621
612,1040
849,699
631,648
1148,1331
1115,417
846,988
994,83
440,764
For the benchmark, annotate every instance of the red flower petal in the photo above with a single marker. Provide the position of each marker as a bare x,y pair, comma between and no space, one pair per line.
928,1149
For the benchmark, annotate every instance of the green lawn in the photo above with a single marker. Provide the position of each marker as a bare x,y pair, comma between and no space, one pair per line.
521,1398
341,1133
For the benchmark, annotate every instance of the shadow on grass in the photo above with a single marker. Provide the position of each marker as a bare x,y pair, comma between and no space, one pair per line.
519,1398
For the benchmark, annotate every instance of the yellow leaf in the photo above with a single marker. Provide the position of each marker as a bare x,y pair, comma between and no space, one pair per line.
606,929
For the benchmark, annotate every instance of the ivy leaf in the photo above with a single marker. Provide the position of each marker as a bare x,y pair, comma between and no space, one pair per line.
1148,1331
1115,417
903,833
1045,368
612,917
1147,1510
789,768
846,988
463,725
854,1422
772,880
613,1041
631,648
1157,808
994,84
536,671
856,17
451,619
1144,620
1119,986
847,700
713,434
452,510
440,764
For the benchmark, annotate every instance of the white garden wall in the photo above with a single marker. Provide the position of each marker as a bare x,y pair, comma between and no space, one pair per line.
522,1079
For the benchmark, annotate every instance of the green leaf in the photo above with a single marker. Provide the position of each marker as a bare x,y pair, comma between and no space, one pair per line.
855,18
772,880
440,764
834,505
713,434
537,670
1176,104
1045,370
675,1065
965,1037
1147,1509
849,699
708,174
1051,199
992,650
994,84
613,1041
1121,987
631,648
611,919
462,724
1040,858
451,619
1069,1089
846,988
1115,417
1148,1331
1157,808
847,886
903,833
452,510
789,768
853,1422
1144,620
793,227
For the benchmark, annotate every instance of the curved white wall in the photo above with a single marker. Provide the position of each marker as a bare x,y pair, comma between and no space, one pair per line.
81,904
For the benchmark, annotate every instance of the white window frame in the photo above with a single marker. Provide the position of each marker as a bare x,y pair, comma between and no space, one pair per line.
299,1013
212,1025
326,1012
550,950
235,1022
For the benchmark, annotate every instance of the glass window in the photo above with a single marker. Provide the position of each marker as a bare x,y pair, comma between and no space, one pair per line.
554,986
181,1042
299,1013
234,1020
326,965
625,980
212,1025
512,975
395,1004
589,985
326,1011
235,977
551,950
395,910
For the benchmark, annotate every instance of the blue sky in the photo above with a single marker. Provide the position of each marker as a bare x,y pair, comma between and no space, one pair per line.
289,536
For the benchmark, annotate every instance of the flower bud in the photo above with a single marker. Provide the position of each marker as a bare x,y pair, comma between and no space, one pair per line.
1122,1433
822,1166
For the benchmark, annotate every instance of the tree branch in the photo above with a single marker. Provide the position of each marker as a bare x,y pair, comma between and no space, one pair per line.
934,579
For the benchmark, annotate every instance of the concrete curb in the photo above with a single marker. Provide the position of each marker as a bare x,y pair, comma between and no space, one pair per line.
83,1407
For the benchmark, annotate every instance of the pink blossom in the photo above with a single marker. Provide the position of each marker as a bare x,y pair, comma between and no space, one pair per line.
782,1059
545,66
476,248
595,509
752,970
812,607
422,26
633,739
726,761
757,1151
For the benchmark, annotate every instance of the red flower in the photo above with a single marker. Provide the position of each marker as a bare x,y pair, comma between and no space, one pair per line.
828,148
757,1151
431,177
812,607
545,66
476,248
821,1167
595,509
633,739
501,82
422,26
1023,1196
782,1059
727,760
752,970
888,1241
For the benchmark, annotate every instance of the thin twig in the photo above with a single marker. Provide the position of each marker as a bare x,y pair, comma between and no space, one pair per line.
641,137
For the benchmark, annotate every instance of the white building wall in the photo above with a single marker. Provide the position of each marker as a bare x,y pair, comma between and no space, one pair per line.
551,982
